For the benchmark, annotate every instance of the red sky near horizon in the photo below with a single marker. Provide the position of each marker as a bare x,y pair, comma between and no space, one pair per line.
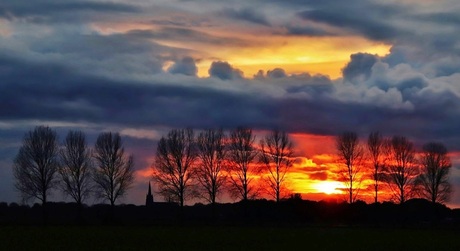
315,174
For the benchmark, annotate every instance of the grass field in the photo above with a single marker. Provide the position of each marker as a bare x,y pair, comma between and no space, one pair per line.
224,238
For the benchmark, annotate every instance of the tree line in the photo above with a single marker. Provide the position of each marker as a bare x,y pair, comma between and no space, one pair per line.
216,160
393,161
203,165
43,165
187,166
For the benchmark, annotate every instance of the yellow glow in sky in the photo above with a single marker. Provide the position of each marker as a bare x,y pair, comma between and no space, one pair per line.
295,55
254,52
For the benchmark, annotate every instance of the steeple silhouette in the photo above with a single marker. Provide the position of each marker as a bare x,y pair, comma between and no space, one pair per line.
149,197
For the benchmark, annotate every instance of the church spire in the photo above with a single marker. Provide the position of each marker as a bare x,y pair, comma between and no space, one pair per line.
149,197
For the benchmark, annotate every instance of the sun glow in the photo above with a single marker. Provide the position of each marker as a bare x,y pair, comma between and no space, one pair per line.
294,54
328,187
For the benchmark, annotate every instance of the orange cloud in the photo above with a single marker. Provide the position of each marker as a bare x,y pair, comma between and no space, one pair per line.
144,173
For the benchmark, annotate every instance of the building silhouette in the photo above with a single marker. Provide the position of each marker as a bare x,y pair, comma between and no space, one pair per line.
149,197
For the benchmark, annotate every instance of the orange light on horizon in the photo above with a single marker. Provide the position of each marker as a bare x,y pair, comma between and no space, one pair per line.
316,173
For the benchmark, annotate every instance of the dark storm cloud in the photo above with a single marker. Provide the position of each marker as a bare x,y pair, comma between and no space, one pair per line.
276,73
355,20
73,88
53,92
55,10
369,18
445,18
246,14
400,100
297,84
118,55
306,31
360,65
317,85
184,66
96,46
224,71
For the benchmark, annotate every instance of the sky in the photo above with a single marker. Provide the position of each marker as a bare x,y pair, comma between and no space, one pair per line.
311,68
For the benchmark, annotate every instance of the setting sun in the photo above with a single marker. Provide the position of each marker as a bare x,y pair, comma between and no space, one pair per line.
328,187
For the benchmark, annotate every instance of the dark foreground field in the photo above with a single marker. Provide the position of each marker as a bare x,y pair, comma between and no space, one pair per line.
224,238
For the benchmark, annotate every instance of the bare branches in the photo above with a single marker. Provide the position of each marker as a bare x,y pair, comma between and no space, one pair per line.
36,164
241,156
75,167
212,153
351,154
276,155
433,181
378,148
114,172
173,165
402,169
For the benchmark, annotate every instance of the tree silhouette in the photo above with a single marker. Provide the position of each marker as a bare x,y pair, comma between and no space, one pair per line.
36,164
114,173
241,156
276,155
174,160
75,167
377,147
433,181
402,169
350,153
212,153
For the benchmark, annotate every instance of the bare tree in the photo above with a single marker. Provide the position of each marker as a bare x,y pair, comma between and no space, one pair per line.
350,153
114,173
75,167
433,181
241,156
212,153
173,167
377,147
36,164
276,154
402,168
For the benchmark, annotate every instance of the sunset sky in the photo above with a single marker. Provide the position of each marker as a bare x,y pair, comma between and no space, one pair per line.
311,68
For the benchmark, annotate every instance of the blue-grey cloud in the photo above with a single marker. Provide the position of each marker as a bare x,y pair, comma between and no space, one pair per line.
189,35
444,18
184,66
58,11
37,91
246,14
276,73
360,65
306,31
224,71
373,28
